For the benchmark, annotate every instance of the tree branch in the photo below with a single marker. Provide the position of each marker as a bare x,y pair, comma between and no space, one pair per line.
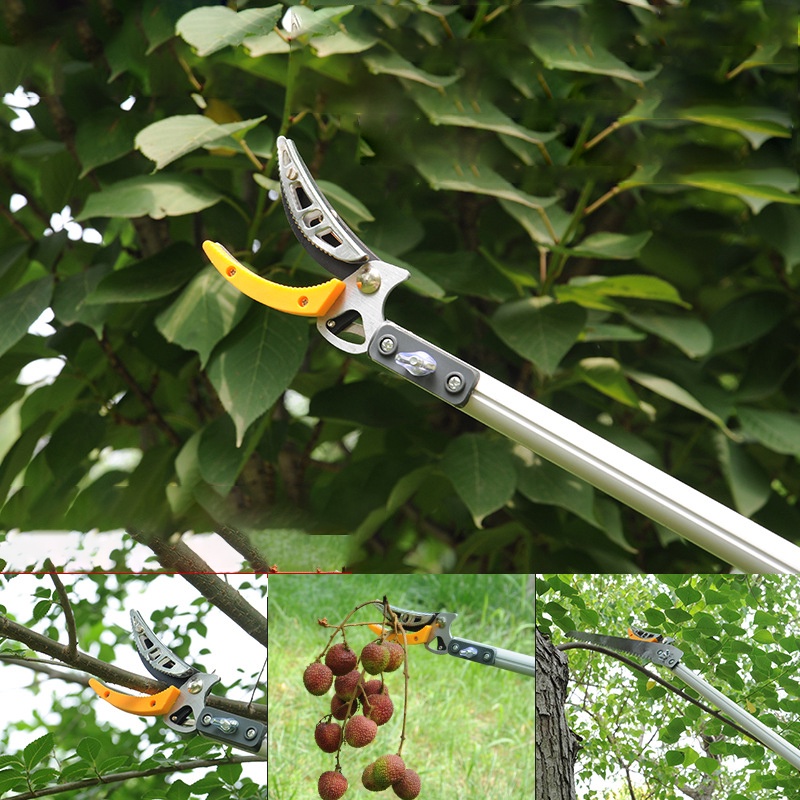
109,673
242,544
183,766
66,606
178,557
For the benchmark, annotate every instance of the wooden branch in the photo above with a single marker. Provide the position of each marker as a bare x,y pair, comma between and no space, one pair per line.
109,673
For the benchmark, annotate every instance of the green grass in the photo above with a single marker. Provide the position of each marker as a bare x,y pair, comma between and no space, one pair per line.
469,731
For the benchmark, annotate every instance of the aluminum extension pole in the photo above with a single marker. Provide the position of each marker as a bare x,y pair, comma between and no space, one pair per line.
709,524
514,662
758,729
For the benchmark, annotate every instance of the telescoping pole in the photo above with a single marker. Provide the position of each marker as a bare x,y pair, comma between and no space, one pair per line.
758,729
709,524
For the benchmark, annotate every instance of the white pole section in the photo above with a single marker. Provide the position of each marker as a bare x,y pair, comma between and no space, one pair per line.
765,735
709,524
514,662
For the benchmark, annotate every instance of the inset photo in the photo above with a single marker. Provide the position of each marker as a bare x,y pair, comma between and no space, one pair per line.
411,685
667,686
140,686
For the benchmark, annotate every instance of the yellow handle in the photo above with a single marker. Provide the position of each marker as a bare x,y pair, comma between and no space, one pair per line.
311,301
421,636
154,705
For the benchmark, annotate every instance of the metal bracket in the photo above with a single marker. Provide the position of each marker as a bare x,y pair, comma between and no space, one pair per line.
451,379
231,729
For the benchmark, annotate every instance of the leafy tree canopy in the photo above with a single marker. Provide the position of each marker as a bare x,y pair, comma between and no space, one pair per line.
597,202
736,632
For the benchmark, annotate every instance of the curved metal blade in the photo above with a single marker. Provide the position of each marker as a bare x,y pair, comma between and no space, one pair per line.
316,224
157,658
665,655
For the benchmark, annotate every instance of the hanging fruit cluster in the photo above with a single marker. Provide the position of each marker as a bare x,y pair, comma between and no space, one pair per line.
360,705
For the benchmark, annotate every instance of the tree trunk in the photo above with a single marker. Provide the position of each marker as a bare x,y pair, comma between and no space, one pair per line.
556,745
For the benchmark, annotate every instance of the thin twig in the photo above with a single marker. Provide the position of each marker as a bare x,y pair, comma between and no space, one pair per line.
66,606
183,766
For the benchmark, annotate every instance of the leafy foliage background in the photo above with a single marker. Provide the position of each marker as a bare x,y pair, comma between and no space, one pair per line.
598,204
56,731
737,632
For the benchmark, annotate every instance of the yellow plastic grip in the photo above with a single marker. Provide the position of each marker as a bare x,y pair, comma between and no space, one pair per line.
154,705
421,636
311,301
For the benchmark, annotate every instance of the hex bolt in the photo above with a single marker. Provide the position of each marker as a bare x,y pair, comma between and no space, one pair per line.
454,383
387,345
250,733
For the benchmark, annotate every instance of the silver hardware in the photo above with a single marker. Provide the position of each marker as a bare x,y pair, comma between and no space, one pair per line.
469,652
206,719
250,733
368,279
195,686
387,345
454,383
417,364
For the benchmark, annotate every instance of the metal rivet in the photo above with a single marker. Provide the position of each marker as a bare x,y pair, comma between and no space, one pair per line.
454,383
206,720
231,271
291,172
250,733
387,345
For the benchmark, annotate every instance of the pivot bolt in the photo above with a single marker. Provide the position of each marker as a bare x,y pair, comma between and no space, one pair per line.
368,280
454,383
387,345
195,686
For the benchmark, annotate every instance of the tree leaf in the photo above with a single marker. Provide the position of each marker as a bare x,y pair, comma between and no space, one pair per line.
606,375
105,137
591,290
777,430
756,187
350,207
539,329
749,484
169,139
756,124
482,472
691,335
561,50
252,371
211,28
149,279
611,245
157,196
746,319
455,107
38,750
394,64
206,311
20,309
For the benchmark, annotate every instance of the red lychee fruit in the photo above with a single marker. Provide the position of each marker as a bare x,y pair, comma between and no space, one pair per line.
375,686
360,731
341,709
331,785
368,780
347,686
328,736
341,659
387,770
374,657
396,656
408,787
317,678
378,707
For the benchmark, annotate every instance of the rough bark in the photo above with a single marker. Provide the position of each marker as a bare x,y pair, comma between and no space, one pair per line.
556,745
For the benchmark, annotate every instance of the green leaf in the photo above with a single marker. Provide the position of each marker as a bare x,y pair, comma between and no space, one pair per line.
559,49
88,749
539,329
252,370
777,430
746,319
671,391
749,484
38,751
20,309
455,107
543,227
105,137
674,758
71,295
606,375
212,28
343,41
21,452
756,124
169,139
219,457
351,208
482,472
157,196
611,245
394,64
445,170
305,22
207,310
689,334
756,187
707,765
590,291
149,279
